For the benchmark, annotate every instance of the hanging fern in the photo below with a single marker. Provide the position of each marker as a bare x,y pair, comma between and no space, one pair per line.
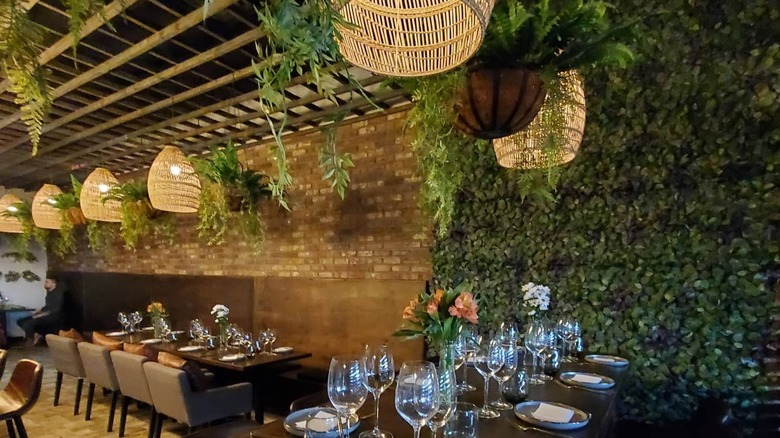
138,217
78,12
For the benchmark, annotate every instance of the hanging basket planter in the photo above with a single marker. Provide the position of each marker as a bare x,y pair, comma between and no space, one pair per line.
75,216
9,224
98,184
554,136
172,183
497,102
412,38
44,213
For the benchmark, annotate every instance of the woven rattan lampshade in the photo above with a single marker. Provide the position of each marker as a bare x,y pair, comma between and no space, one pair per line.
412,37
98,183
526,149
173,184
9,224
44,214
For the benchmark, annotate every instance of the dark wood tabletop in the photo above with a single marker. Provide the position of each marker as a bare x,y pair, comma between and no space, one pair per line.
8,308
600,405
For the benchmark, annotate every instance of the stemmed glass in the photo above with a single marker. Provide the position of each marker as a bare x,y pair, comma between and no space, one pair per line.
134,319
447,398
380,373
347,385
196,329
271,333
122,318
489,359
466,346
262,339
323,426
505,373
575,331
417,394
537,340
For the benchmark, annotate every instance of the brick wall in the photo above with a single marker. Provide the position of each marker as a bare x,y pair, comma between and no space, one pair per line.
375,233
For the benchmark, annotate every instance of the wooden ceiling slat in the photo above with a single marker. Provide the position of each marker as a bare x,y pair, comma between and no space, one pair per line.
163,35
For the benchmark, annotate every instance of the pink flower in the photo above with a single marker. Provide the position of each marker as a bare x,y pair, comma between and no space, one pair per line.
409,310
465,307
433,303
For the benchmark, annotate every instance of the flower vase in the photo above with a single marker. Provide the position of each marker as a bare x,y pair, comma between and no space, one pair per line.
157,325
446,371
223,337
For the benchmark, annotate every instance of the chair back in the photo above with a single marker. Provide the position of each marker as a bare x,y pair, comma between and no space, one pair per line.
65,354
98,367
130,375
3,362
170,391
24,387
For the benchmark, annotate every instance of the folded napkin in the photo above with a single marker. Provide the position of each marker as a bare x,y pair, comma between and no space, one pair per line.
319,423
552,413
586,378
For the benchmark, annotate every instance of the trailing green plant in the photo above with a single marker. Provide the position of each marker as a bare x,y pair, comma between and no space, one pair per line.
30,276
664,237
78,12
21,241
230,195
18,256
65,242
138,217
101,236
335,164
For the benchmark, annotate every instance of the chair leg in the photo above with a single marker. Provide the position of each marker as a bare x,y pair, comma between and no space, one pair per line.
158,428
123,415
57,388
20,427
152,423
11,431
114,399
77,404
90,396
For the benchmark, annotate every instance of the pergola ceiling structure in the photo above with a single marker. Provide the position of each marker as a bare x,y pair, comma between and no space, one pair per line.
157,75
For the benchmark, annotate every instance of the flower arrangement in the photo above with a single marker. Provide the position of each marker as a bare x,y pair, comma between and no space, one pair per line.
221,312
439,316
535,297
156,310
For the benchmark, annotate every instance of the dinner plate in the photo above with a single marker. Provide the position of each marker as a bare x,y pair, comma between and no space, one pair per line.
525,411
177,332
151,341
570,378
115,334
303,415
282,350
189,348
605,359
232,357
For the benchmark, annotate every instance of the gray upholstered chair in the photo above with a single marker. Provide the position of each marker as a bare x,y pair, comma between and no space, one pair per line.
67,361
173,398
99,370
133,385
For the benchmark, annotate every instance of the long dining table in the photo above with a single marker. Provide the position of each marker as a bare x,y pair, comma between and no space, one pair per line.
250,370
600,404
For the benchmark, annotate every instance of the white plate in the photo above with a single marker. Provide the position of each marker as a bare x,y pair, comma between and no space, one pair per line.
282,350
525,410
151,341
604,383
115,334
605,359
232,357
189,348
303,414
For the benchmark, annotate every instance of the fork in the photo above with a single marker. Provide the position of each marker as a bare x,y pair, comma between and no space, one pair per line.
536,429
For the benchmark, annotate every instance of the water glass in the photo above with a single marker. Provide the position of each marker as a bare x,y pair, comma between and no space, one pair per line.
515,390
552,363
271,333
465,349
537,340
463,422
505,373
347,385
323,427
448,394
122,319
489,359
417,394
380,373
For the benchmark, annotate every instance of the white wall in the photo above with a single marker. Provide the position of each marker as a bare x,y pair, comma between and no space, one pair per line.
22,292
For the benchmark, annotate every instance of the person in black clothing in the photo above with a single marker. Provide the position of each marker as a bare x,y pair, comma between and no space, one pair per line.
50,317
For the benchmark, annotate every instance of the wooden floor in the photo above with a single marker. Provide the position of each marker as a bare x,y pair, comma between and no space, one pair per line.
45,420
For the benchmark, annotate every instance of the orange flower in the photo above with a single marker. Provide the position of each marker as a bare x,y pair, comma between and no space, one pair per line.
409,310
465,307
433,303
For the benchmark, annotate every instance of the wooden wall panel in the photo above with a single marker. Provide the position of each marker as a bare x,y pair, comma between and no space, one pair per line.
329,317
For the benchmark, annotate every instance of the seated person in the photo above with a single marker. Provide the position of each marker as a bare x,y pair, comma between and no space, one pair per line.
51,316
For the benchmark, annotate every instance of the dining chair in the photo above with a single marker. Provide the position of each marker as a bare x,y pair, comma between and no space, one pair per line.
20,395
3,362
133,385
174,398
67,361
99,370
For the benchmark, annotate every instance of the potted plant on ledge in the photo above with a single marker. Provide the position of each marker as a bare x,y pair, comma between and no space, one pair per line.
138,217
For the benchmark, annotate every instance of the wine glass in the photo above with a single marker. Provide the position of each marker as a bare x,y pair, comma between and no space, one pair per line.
536,340
323,424
509,355
467,346
417,394
548,351
122,319
489,359
271,339
447,398
463,421
574,334
380,373
262,338
515,390
196,329
347,385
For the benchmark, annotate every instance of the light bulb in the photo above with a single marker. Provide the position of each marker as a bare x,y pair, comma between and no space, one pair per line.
12,209
51,201
175,170
103,188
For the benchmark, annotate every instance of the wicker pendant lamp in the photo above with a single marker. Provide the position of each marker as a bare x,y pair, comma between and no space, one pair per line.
9,224
173,184
97,184
528,149
44,214
412,37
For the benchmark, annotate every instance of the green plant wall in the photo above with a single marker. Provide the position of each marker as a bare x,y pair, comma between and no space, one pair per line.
664,234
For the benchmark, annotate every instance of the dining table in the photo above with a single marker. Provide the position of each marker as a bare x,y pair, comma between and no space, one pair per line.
246,369
600,404
5,310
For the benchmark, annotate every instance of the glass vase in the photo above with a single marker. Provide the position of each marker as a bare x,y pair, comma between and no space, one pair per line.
223,337
158,325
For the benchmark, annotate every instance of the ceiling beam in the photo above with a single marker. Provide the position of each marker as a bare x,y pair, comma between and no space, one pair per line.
179,26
